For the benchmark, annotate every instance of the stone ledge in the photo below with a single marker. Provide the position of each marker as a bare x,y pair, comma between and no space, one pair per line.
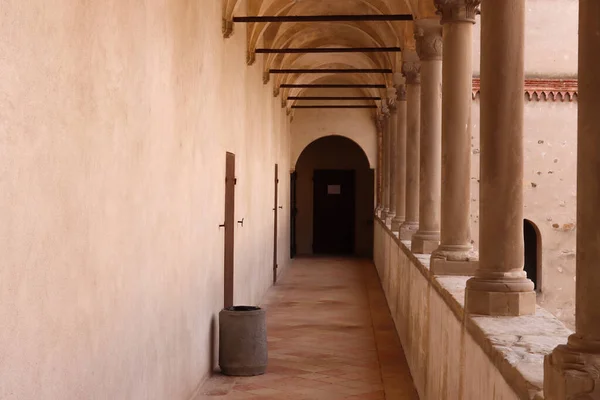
516,346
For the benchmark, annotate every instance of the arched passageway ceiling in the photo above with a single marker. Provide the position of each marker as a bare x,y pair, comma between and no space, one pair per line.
333,79
333,61
314,61
418,8
303,35
357,34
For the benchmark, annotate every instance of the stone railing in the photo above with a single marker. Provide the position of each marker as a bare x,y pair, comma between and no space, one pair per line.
453,355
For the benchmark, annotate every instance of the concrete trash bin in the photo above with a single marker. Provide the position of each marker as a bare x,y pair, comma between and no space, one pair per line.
243,341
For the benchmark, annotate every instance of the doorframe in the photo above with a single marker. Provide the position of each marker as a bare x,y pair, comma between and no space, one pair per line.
275,223
229,225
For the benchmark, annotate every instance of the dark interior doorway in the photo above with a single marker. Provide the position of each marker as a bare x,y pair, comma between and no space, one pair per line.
229,228
532,257
333,214
331,153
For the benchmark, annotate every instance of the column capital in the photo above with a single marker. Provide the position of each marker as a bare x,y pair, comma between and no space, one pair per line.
457,10
401,92
392,98
412,72
428,37
384,112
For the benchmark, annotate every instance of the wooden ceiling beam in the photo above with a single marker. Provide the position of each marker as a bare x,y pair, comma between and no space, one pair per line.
332,71
331,86
338,106
328,98
324,18
330,50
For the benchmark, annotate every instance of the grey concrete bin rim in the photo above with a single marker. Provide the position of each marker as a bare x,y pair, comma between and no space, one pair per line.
242,309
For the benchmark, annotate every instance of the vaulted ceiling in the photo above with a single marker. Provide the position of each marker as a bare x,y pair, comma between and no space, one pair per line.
342,34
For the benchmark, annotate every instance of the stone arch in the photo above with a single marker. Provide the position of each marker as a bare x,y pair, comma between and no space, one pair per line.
369,150
333,153
532,238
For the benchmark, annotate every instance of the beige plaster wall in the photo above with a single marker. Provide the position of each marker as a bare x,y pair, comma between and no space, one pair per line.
115,117
356,124
549,187
334,152
453,355
550,39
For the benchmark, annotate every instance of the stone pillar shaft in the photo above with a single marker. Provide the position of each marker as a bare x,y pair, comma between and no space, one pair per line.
378,177
411,70
393,154
455,253
400,159
429,43
500,286
571,371
587,321
386,165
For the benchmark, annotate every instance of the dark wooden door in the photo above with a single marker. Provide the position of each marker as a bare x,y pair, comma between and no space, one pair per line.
229,228
275,233
333,211
293,212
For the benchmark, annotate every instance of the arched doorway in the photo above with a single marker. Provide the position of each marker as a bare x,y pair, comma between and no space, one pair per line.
333,189
533,253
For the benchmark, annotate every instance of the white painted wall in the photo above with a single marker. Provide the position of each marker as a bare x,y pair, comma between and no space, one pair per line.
550,38
115,117
355,124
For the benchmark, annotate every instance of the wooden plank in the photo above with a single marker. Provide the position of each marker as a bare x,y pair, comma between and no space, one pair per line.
331,86
228,272
324,18
329,50
338,106
327,98
332,71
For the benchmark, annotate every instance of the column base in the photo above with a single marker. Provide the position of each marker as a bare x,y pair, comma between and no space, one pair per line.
383,214
397,222
378,211
508,296
442,266
425,242
570,373
408,230
454,260
389,217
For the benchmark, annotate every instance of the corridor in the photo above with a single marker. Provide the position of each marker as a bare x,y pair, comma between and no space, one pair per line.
331,337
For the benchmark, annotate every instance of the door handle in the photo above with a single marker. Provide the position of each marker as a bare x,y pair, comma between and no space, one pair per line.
241,222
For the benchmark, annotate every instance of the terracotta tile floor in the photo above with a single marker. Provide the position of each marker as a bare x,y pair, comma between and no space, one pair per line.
330,336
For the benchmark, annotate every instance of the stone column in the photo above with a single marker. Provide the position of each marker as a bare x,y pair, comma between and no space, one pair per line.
400,154
411,68
429,47
455,255
386,160
393,156
378,125
571,371
500,286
